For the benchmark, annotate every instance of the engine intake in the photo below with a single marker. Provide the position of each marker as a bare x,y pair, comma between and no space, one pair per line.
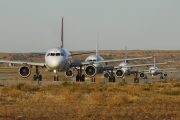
69,73
165,74
106,75
142,75
24,71
90,70
119,73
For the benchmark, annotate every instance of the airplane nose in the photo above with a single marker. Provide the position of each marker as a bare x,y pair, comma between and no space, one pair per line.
54,63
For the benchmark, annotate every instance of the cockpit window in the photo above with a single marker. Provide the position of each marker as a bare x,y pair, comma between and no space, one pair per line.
94,60
48,54
55,54
58,54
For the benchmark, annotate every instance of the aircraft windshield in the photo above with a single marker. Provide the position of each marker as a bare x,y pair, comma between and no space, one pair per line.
55,54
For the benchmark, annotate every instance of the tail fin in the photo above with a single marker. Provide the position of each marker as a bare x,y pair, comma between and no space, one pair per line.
125,56
154,61
61,43
97,46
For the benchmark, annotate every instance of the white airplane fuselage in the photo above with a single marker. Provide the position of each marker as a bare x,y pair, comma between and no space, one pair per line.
153,70
57,59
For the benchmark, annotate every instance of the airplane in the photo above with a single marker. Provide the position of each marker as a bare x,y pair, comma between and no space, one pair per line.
125,69
57,59
97,65
155,71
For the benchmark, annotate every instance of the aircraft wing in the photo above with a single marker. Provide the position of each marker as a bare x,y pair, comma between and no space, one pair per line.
167,69
74,54
23,62
139,65
117,60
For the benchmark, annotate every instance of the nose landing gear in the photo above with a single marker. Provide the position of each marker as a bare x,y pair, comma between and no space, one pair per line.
56,78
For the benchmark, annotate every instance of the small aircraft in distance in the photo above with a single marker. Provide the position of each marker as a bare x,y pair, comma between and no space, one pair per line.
155,71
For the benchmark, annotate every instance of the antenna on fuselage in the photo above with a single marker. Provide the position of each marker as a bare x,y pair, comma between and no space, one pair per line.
97,45
61,43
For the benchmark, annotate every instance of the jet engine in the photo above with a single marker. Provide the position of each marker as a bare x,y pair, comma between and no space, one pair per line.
106,75
165,74
69,73
142,75
90,70
24,71
119,73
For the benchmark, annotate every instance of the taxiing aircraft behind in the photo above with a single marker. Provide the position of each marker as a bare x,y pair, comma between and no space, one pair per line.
97,66
155,71
125,69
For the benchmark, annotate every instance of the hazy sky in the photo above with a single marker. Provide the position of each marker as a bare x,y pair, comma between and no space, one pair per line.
34,25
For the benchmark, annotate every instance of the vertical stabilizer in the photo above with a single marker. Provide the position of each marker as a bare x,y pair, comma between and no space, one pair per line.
154,61
125,56
97,46
61,43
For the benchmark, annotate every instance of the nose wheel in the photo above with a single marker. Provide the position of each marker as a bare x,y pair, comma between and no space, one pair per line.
37,76
56,78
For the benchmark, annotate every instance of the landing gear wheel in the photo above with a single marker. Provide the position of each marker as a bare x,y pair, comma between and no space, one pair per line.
37,76
161,77
77,78
34,78
113,79
40,77
93,79
56,78
83,78
136,80
110,79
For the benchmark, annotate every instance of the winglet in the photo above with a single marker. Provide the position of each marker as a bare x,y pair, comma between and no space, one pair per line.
61,43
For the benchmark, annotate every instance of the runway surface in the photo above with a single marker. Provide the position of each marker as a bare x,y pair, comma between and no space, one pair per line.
7,79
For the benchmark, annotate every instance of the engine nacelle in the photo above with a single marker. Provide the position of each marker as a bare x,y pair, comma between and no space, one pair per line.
24,71
106,75
69,73
142,75
165,74
119,73
90,70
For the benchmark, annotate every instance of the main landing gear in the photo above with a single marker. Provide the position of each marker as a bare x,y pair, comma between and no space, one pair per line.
112,77
93,79
37,76
79,76
136,79
161,77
